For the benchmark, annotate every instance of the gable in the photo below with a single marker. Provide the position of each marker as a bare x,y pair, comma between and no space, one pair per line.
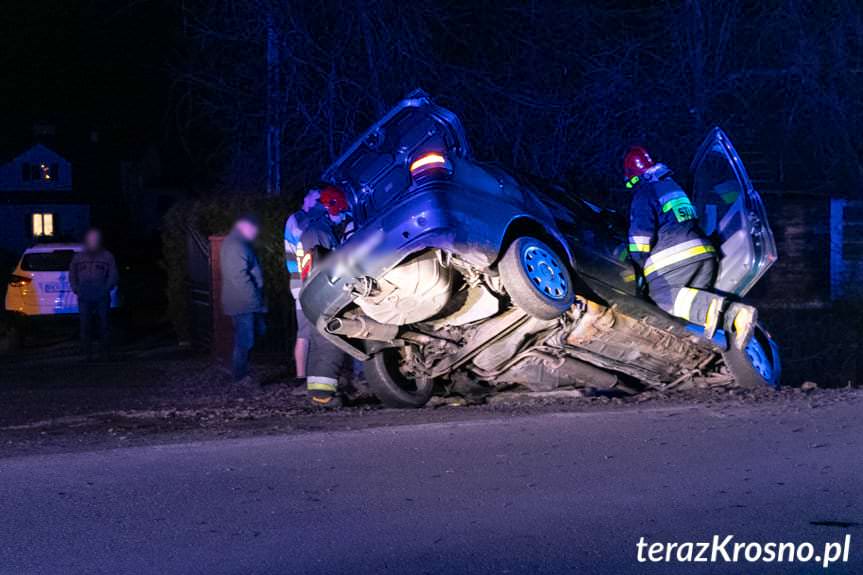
38,168
40,152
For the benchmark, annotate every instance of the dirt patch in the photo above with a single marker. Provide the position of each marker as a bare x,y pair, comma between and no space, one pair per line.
58,403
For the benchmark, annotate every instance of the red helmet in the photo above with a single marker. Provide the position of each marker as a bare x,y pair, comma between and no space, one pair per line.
636,162
333,198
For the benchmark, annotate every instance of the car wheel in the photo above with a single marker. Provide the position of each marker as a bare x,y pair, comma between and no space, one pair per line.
536,278
391,386
756,366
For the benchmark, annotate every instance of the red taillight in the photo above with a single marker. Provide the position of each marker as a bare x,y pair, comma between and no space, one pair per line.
19,281
427,162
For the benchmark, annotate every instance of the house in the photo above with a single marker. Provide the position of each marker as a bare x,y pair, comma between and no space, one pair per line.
38,202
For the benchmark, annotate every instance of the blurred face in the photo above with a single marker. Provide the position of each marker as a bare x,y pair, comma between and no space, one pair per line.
248,230
93,240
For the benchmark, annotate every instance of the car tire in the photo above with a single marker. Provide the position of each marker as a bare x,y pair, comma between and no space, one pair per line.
536,278
393,388
757,366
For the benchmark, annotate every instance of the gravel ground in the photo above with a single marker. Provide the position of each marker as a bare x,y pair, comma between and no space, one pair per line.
50,401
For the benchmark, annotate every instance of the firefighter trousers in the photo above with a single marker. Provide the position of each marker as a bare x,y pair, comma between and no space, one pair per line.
685,292
325,363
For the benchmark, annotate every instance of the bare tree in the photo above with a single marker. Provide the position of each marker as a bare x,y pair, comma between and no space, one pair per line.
275,90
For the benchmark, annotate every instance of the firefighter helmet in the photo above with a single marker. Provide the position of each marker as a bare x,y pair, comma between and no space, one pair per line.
334,200
636,162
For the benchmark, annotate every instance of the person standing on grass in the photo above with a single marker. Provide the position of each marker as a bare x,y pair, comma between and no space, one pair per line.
243,292
295,226
93,274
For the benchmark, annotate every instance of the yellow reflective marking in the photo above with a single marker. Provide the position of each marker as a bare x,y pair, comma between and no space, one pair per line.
712,316
312,386
683,302
671,259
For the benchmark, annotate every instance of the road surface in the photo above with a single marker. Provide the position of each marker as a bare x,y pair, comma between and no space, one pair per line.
554,493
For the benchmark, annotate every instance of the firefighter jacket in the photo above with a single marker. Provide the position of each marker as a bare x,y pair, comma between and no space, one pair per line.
663,229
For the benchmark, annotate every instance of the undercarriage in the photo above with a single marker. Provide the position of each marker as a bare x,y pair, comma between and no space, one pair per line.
439,319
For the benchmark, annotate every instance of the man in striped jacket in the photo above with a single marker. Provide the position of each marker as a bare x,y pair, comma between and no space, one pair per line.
678,262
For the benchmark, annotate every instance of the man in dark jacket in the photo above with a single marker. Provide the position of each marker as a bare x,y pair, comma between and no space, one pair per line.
678,262
93,274
242,292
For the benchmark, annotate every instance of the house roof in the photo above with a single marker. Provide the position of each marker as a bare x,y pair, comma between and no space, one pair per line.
40,150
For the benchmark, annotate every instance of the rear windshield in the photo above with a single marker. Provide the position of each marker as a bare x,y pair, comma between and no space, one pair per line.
56,261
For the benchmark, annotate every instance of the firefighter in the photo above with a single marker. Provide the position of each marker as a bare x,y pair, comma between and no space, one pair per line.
672,253
321,236
295,225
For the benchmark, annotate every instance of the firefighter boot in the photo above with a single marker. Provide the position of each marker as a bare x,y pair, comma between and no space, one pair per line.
740,320
325,399
714,313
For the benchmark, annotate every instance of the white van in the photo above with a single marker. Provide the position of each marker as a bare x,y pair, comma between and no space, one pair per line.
40,286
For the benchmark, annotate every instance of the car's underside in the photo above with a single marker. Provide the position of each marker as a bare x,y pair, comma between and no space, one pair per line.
442,319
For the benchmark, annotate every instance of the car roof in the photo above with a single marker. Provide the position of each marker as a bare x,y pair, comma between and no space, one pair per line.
46,248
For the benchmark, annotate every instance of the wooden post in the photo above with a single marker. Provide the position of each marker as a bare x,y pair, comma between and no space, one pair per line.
223,328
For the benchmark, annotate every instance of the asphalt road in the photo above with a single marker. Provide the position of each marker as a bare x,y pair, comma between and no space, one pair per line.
566,493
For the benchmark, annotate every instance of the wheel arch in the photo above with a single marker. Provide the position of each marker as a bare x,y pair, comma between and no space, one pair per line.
528,226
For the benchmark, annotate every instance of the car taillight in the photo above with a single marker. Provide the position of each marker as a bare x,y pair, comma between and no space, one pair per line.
19,281
430,162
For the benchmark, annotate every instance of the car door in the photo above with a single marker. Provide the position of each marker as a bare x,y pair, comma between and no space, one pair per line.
732,214
597,239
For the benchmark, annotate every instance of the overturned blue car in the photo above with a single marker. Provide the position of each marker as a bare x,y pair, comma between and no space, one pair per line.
461,275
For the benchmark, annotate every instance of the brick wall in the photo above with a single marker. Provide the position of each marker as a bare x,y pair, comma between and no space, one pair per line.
801,276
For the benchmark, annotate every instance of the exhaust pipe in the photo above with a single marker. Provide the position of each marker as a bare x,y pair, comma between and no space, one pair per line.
363,328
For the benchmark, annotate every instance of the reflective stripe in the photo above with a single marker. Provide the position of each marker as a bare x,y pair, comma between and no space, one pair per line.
304,260
712,318
675,255
317,383
683,302
639,244
676,203
671,196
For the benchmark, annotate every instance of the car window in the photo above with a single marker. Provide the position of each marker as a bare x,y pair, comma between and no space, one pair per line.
56,261
716,189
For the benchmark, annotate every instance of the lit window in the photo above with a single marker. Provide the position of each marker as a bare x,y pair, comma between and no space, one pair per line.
39,172
43,225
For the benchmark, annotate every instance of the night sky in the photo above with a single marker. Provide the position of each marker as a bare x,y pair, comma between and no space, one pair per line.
557,89
85,66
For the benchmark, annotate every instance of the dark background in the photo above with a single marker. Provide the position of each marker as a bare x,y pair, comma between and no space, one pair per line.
190,89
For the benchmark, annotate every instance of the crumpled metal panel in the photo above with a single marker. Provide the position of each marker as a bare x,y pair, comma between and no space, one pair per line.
608,337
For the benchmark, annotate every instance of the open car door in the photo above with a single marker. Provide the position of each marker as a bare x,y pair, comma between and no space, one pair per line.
731,214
